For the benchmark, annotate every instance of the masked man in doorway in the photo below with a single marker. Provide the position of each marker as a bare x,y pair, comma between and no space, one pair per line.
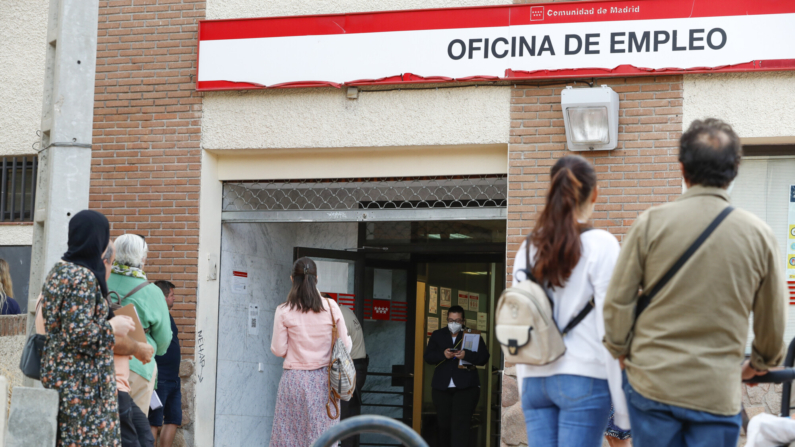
456,387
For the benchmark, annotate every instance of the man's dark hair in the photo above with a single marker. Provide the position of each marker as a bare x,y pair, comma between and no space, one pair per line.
165,286
456,310
710,152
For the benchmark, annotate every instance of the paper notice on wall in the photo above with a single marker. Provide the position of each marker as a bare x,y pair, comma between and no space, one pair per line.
444,316
472,324
253,319
433,295
332,276
382,284
463,299
791,235
433,325
474,302
483,321
239,282
446,297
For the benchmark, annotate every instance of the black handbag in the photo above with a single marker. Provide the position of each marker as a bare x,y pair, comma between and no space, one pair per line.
30,363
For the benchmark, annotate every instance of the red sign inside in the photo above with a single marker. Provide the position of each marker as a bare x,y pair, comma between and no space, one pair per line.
381,309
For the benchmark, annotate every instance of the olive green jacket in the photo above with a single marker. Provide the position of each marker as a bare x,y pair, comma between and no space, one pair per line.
688,345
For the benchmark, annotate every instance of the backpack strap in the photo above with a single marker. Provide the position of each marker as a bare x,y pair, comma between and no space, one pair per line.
134,291
645,299
580,316
129,294
529,275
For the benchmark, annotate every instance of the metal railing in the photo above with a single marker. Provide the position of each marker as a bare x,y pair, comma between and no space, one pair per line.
18,188
370,424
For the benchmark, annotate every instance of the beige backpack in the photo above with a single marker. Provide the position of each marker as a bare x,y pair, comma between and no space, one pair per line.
525,323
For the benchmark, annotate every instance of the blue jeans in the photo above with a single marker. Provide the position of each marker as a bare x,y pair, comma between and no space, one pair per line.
565,410
655,424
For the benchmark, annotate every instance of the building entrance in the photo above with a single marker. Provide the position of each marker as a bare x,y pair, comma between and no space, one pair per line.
401,294
399,253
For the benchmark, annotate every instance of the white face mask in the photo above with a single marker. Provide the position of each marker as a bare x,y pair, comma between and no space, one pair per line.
454,327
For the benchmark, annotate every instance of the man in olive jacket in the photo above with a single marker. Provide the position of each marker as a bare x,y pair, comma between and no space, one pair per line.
684,354
127,275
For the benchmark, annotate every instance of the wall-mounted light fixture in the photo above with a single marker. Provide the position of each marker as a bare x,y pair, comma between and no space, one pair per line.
591,118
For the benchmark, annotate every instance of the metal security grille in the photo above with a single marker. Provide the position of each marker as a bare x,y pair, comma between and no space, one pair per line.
18,188
366,199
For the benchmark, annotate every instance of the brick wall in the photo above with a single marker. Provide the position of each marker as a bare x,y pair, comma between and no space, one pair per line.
641,172
147,129
12,325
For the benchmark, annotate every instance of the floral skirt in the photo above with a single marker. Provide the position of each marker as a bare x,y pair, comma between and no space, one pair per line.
613,431
301,416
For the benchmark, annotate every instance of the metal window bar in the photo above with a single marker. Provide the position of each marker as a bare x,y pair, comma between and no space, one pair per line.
472,191
18,183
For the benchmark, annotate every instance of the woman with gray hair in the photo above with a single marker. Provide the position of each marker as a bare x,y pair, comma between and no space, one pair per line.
129,281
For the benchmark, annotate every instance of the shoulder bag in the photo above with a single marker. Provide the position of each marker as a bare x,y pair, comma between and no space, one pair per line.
30,363
341,371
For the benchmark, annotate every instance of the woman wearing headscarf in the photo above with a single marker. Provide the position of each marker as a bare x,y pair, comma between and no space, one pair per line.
77,359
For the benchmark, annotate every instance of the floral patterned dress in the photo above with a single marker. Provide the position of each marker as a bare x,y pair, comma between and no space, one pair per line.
77,360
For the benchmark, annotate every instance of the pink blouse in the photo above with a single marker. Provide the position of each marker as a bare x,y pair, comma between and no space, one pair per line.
304,339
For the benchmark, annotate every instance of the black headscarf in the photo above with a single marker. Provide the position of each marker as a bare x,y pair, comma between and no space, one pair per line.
89,235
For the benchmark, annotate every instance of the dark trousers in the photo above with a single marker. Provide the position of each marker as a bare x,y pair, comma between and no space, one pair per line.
353,407
135,431
454,410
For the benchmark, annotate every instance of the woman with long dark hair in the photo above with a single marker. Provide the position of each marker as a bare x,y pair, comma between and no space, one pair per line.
567,402
302,336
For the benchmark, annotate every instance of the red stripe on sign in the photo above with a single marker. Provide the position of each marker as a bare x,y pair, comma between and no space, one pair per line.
240,274
483,17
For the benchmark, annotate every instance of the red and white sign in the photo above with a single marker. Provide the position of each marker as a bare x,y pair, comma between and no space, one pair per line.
343,299
381,309
512,42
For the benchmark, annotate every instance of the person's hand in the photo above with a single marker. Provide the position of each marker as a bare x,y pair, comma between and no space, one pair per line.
621,361
748,372
460,355
448,354
144,352
122,325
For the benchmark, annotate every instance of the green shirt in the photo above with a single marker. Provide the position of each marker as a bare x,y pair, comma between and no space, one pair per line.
152,310
687,346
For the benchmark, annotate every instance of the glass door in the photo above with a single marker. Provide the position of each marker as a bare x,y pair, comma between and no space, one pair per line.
474,283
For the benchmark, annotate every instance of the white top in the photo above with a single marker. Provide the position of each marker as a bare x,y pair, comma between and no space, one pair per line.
452,384
585,355
357,350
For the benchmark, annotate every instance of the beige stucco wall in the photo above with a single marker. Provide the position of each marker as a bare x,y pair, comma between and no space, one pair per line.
230,9
315,118
758,105
16,234
23,35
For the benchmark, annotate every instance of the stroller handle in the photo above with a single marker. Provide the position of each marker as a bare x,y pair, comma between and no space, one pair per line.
777,376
